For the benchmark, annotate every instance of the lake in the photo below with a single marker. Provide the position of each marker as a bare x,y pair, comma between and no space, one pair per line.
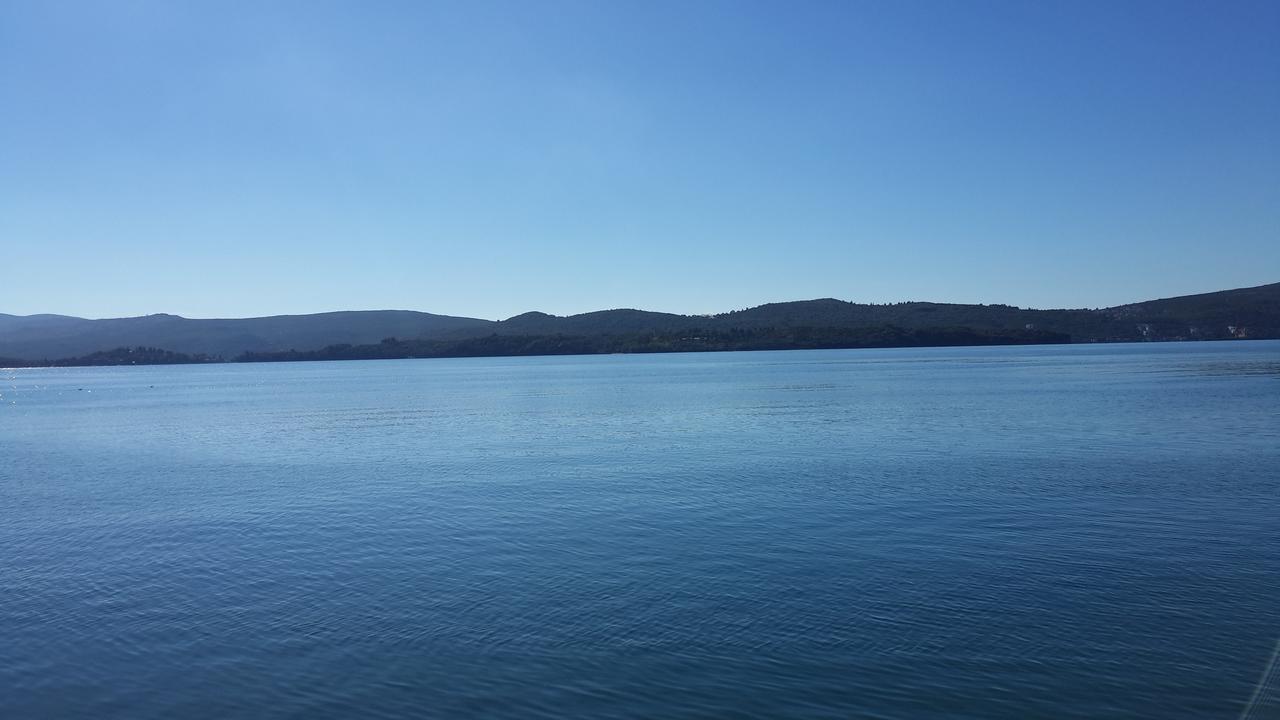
1016,532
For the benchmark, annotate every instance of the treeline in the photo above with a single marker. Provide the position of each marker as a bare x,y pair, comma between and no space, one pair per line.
785,338
1232,314
118,356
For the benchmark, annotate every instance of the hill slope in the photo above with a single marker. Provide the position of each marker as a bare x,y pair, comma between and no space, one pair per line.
1246,312
35,337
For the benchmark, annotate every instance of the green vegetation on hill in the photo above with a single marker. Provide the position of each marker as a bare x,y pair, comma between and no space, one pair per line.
118,356
1249,312
55,336
1243,313
698,340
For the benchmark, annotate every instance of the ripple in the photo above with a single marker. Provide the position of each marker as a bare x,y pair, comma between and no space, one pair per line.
981,533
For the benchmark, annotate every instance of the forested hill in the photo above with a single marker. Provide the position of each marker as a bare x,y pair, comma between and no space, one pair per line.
1249,312
1243,313
37,337
1253,311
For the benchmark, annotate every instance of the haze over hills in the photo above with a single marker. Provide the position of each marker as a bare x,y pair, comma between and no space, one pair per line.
1242,313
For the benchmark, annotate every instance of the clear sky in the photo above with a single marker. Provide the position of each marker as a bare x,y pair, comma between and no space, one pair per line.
484,159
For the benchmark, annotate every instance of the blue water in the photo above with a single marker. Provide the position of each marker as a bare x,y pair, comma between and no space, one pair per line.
1046,532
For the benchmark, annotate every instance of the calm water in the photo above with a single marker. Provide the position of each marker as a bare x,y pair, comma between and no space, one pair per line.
1086,531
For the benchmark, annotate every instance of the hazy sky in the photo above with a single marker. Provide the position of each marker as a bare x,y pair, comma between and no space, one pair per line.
252,158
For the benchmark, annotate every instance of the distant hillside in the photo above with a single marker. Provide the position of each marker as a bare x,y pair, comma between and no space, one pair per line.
684,341
601,322
38,337
1249,312
1244,313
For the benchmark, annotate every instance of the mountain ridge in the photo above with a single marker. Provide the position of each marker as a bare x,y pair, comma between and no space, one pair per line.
1252,312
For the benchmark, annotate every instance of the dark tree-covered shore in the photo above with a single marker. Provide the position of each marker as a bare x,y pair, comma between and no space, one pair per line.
697,340
1244,313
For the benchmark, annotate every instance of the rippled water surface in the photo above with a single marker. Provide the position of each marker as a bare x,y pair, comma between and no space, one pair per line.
1072,531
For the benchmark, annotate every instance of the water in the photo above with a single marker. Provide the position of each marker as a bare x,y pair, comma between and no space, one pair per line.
1081,531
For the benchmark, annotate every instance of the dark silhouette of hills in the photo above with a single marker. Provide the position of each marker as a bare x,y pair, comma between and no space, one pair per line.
799,338
1252,312
600,322
134,356
1242,313
35,337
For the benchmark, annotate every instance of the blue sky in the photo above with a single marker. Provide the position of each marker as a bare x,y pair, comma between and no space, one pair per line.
233,159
